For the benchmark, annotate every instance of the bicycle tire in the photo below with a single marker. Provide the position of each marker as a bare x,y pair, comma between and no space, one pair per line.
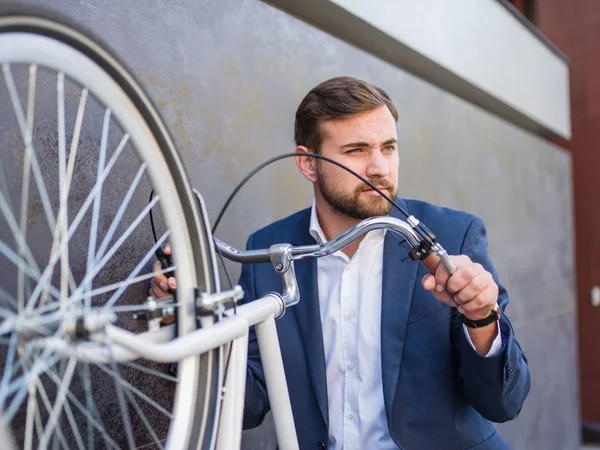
204,387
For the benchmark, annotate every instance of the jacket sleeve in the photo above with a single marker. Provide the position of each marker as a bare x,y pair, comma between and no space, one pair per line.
496,386
256,403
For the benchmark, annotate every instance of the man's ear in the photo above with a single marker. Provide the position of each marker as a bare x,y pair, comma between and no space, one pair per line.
307,165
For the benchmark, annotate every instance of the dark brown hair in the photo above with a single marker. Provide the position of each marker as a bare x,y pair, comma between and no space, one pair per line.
337,98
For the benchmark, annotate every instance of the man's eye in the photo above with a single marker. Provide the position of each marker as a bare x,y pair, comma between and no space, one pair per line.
354,150
390,148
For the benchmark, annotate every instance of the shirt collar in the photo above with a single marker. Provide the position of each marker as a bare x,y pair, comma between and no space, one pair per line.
317,232
315,228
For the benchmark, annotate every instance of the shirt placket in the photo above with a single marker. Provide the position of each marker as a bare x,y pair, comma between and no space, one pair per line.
349,307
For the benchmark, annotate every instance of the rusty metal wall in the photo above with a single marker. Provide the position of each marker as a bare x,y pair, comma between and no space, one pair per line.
228,76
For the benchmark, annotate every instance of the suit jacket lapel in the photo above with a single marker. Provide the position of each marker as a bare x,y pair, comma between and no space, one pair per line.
308,317
398,283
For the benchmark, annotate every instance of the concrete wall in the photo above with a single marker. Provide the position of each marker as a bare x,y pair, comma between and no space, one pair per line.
228,76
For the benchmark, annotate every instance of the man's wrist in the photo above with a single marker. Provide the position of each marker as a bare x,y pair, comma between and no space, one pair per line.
480,320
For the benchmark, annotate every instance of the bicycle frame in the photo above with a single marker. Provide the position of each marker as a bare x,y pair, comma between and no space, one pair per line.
233,329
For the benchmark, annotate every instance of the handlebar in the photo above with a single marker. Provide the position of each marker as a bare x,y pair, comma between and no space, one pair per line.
347,237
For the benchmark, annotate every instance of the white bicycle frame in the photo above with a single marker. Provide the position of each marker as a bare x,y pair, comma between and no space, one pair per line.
233,330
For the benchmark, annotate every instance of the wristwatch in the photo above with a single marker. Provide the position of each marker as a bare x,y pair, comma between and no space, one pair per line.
493,317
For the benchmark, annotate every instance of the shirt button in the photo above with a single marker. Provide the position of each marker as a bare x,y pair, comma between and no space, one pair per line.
351,366
348,317
351,416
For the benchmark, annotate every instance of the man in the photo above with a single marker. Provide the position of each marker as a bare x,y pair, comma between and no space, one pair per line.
374,359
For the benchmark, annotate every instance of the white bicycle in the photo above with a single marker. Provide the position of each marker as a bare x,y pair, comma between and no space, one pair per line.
81,145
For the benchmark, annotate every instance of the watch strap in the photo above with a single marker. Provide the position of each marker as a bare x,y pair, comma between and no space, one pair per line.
493,317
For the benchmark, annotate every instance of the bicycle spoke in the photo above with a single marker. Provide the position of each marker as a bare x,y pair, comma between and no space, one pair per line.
150,371
36,386
84,411
128,282
41,185
62,168
136,391
119,215
142,416
73,425
32,411
71,168
115,297
122,404
60,230
75,140
26,173
74,224
66,185
79,292
96,208
21,387
18,109
60,399
90,403
8,368
19,382
17,261
14,228
24,249
142,307
46,401
5,296
22,281
92,274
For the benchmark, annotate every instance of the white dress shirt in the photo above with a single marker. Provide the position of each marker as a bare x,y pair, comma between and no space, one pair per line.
350,307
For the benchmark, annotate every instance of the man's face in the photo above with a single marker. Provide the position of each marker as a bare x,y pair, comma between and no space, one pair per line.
367,144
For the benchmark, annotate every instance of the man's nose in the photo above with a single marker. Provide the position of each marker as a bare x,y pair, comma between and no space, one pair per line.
377,166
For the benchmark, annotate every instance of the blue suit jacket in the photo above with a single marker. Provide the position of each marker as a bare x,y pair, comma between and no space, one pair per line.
438,392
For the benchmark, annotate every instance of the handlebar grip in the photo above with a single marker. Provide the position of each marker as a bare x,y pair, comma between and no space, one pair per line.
433,261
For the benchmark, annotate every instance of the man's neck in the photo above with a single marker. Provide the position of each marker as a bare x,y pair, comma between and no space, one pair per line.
333,223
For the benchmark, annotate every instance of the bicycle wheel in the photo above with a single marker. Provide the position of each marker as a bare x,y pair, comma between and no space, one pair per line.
81,146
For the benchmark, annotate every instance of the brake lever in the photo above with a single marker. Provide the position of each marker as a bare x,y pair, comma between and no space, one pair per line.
429,251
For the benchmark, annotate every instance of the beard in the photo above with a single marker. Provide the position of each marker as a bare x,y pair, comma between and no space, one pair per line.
354,204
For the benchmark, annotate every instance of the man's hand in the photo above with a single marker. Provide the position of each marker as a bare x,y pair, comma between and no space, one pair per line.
160,284
471,289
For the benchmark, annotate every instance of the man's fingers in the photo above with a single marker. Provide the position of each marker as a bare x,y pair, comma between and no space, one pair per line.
167,249
157,290
463,276
442,275
428,282
445,297
473,288
441,278
482,303
172,282
160,278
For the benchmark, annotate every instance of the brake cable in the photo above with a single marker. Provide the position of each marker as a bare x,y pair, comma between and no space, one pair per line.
416,253
428,239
